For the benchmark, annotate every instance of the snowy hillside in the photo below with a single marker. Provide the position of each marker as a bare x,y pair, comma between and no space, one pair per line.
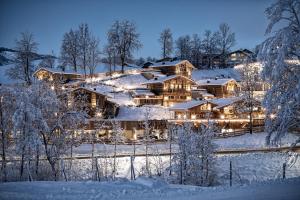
213,73
143,188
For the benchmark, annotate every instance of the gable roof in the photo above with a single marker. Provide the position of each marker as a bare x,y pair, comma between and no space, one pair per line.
169,63
223,102
188,105
222,81
164,79
56,71
91,90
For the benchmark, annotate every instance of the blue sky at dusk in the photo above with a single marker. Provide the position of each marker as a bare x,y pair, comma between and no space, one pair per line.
49,20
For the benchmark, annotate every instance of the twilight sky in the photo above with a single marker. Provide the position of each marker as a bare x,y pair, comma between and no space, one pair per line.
48,20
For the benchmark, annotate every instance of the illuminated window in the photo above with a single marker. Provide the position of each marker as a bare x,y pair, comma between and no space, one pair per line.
188,98
94,100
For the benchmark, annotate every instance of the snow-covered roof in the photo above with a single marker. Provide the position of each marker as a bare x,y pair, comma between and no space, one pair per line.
168,63
94,90
142,92
130,81
121,98
222,102
101,68
56,71
163,79
187,105
222,81
132,113
219,73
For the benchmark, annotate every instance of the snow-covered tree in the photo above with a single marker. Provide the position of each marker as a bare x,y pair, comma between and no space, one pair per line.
27,123
26,48
194,163
147,133
166,42
251,79
117,136
123,37
7,108
57,124
280,55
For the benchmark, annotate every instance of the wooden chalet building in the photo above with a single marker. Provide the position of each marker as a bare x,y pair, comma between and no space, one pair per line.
173,89
226,112
220,88
176,67
55,75
194,109
93,102
143,96
239,56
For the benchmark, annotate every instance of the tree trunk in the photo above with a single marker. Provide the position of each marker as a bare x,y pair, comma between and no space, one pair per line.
37,160
3,156
22,163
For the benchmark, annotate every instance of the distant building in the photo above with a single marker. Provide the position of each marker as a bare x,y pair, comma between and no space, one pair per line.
219,87
239,56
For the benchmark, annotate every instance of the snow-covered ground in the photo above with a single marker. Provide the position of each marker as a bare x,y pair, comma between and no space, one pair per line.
256,140
144,188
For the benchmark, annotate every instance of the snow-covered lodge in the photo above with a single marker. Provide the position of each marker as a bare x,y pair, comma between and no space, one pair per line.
161,93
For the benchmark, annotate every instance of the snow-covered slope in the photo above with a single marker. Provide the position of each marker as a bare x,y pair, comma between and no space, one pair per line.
213,73
144,188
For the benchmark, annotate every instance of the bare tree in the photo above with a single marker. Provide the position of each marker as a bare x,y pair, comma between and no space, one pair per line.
209,45
196,52
26,48
93,55
84,45
226,40
110,52
166,42
183,47
48,62
69,55
125,39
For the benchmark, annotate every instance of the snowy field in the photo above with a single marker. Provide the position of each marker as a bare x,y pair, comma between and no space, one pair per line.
256,140
246,168
144,188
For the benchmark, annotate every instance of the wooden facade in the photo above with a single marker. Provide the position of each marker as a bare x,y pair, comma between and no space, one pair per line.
217,110
220,88
173,89
56,76
183,68
94,103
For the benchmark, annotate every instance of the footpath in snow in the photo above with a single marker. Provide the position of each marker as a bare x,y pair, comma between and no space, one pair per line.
144,188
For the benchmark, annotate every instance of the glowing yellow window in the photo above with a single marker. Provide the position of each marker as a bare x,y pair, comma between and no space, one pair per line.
94,100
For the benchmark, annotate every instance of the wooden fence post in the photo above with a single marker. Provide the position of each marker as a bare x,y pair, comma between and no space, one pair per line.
230,173
283,170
